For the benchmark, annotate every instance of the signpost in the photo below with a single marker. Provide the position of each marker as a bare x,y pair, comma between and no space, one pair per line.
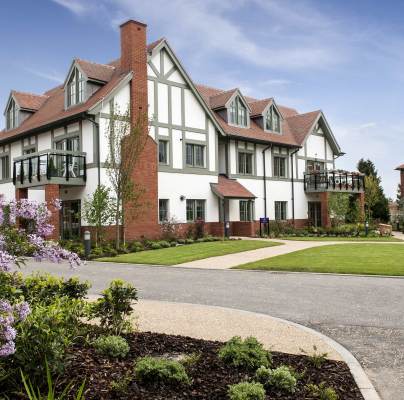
264,221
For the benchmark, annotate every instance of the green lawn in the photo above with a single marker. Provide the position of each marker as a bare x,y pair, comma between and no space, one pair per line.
369,259
343,239
189,252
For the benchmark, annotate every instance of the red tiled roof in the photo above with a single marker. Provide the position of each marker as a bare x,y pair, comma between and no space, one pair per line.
295,126
400,167
29,101
258,106
230,188
98,72
219,100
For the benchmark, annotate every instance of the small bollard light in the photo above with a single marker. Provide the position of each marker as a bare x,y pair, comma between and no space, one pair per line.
227,229
366,228
87,244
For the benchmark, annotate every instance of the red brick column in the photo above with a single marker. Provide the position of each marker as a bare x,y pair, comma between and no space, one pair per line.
52,193
144,222
402,182
21,194
325,212
361,201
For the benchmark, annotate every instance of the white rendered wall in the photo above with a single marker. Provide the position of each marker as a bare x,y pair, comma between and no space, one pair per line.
173,185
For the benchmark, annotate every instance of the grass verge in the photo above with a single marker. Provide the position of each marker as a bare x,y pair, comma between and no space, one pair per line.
342,239
366,259
190,252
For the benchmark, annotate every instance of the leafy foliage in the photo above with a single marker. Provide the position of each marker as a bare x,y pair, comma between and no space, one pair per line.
112,346
152,370
248,353
280,378
321,392
246,391
316,359
98,210
51,395
115,306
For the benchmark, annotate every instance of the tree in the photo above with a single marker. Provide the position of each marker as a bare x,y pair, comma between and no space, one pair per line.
98,211
372,194
339,206
126,142
380,207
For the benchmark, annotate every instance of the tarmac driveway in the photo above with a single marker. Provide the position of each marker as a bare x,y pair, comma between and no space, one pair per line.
365,314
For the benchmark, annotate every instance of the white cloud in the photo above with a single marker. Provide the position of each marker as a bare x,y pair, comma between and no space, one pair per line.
75,6
368,125
51,76
276,82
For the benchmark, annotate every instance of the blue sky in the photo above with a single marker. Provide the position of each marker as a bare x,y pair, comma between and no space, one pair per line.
344,57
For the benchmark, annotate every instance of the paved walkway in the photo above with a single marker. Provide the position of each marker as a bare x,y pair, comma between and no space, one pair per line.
364,314
288,246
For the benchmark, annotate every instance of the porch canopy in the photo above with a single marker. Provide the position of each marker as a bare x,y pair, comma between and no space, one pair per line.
227,188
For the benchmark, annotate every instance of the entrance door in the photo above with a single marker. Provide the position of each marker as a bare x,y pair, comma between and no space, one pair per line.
314,213
71,219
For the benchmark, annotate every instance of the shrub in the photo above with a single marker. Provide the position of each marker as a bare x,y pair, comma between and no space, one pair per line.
134,247
279,378
46,334
170,229
44,288
248,353
181,241
321,392
191,359
112,346
121,386
115,306
151,370
164,244
155,246
189,241
246,391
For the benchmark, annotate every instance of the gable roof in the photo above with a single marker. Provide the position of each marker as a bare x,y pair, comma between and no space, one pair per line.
93,71
258,106
400,167
29,101
219,100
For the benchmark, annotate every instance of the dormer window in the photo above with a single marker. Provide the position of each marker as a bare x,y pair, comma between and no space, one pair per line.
11,115
272,120
75,88
237,113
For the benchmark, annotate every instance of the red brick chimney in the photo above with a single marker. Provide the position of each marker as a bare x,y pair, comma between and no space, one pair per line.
134,58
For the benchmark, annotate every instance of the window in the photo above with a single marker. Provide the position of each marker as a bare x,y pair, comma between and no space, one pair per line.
312,166
280,167
195,210
11,116
281,210
29,151
75,88
272,121
4,167
195,155
238,113
163,152
245,210
163,210
245,163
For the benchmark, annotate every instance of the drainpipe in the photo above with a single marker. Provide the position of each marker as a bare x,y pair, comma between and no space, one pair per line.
265,179
293,185
97,127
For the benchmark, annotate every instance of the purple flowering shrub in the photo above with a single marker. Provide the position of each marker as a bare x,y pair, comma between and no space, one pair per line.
28,238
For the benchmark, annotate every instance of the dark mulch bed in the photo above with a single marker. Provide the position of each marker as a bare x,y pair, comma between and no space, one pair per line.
210,376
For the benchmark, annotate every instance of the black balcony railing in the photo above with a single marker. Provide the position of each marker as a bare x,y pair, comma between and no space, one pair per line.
40,168
334,181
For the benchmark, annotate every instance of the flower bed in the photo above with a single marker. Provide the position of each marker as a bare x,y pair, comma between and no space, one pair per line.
209,375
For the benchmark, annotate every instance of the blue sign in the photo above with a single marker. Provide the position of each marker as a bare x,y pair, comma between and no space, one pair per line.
264,220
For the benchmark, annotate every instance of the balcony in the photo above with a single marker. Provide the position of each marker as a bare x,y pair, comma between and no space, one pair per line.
334,181
50,166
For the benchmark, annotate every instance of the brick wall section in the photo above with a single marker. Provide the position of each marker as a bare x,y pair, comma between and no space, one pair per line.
325,214
402,183
52,193
242,228
145,173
